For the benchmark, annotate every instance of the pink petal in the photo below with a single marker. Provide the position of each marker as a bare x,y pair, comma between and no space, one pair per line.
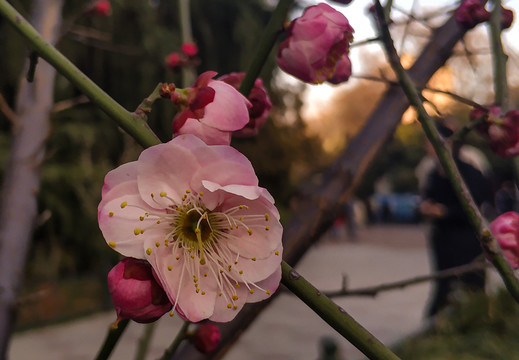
208,134
271,283
229,110
123,173
222,313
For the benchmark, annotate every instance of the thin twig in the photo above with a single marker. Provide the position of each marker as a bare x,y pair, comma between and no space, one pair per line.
375,290
69,103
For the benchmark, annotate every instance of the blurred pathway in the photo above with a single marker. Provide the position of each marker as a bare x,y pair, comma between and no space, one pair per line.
287,330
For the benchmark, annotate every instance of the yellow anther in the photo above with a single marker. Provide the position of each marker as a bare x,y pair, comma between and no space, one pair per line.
246,207
249,231
221,271
163,193
251,291
170,267
192,256
178,258
136,231
204,217
253,259
152,195
205,274
123,204
148,251
235,307
276,252
197,290
220,294
266,217
158,221
203,292
166,242
267,228
240,207
267,292
229,306
141,218
236,285
235,263
112,244
201,193
235,297
111,214
157,244
188,191
171,313
241,218
197,231
229,267
142,231
241,272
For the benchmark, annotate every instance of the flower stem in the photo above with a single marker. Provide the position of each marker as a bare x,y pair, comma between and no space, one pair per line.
265,45
113,335
133,125
487,240
335,316
499,58
176,342
188,72
144,341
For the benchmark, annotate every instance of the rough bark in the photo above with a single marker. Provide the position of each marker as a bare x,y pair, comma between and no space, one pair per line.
18,208
315,212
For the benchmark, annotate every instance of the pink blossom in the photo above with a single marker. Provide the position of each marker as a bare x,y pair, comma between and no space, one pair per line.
101,8
316,42
135,292
211,110
189,49
196,213
471,13
206,338
259,99
502,132
506,230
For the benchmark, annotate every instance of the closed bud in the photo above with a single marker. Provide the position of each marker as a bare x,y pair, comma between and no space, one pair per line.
136,294
471,13
507,18
206,337
506,231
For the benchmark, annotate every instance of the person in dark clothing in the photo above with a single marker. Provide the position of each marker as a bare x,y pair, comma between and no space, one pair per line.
452,239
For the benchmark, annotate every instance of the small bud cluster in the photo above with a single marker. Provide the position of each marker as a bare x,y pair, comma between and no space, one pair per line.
472,12
186,57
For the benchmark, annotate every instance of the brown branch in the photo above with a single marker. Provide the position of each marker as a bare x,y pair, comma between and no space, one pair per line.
316,210
374,290
69,103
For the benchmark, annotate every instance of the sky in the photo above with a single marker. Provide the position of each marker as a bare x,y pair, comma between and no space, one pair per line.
355,12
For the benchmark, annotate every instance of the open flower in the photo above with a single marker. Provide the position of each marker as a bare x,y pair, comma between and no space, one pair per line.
506,230
197,215
317,45
211,110
259,98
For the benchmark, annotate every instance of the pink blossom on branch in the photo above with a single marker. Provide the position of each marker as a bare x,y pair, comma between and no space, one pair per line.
317,46
506,230
196,213
471,13
259,99
189,49
501,131
211,110
135,293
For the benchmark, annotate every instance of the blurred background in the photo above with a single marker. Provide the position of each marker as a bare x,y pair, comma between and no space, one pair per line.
124,53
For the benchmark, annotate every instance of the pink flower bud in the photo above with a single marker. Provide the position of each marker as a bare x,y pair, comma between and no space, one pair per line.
316,43
135,293
507,18
506,230
101,8
189,49
206,337
174,61
261,104
471,13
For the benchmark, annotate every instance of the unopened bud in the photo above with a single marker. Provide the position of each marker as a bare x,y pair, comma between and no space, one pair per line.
206,337
166,90
506,230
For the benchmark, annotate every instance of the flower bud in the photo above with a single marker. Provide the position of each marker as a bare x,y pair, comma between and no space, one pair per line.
135,293
316,44
206,337
189,49
174,61
166,90
259,99
507,18
100,8
471,13
506,230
